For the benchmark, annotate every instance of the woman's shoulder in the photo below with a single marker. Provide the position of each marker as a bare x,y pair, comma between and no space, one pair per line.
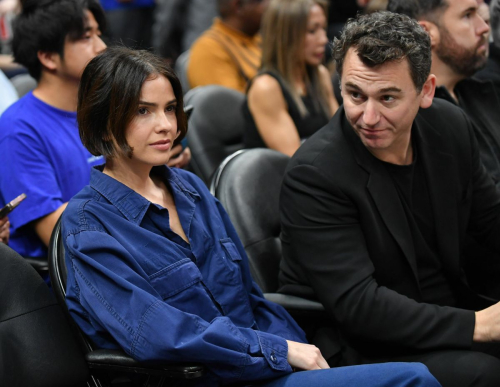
266,83
84,211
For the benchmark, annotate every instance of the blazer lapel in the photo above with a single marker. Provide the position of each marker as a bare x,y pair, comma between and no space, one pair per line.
442,183
385,196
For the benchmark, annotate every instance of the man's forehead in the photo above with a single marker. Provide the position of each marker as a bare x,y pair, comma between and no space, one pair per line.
457,6
390,74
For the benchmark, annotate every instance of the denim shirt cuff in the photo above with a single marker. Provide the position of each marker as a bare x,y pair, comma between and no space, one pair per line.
275,351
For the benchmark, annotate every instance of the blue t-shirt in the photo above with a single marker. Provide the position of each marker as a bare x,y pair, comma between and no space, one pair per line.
135,284
43,157
109,5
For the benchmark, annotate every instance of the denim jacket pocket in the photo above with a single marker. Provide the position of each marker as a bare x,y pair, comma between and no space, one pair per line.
175,278
230,249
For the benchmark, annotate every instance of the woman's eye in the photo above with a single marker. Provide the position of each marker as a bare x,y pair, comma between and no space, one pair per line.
142,111
171,108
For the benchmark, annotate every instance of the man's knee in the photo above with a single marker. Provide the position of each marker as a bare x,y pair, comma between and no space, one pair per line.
468,369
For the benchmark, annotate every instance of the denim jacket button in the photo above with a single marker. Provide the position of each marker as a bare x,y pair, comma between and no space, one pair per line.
273,358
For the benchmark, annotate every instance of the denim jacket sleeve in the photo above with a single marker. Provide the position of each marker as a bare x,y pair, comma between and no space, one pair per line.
123,302
269,316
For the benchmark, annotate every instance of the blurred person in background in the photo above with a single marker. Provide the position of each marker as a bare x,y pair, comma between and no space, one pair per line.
129,22
178,23
492,70
8,94
39,137
229,53
292,96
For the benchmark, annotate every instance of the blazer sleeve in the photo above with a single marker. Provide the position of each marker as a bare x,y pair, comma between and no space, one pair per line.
323,238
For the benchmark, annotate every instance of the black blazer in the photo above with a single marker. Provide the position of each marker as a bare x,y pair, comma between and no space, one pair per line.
345,234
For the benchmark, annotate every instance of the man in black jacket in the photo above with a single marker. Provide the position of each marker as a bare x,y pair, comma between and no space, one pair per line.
376,206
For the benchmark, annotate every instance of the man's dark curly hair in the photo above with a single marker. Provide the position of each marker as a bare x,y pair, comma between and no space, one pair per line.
385,37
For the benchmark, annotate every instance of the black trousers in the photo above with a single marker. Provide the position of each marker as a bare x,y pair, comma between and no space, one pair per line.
478,367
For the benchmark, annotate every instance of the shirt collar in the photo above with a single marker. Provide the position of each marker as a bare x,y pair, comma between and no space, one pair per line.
131,204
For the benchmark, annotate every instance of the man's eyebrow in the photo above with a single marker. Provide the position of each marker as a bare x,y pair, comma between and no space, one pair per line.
470,9
352,86
390,90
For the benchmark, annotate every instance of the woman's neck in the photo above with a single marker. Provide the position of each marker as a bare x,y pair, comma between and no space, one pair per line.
137,179
300,80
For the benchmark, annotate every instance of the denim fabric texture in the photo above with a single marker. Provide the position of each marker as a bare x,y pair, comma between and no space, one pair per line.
135,284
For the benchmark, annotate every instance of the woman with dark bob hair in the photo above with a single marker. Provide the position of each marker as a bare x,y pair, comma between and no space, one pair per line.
154,265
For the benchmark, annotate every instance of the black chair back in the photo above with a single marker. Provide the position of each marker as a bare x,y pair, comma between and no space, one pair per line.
216,127
248,185
37,347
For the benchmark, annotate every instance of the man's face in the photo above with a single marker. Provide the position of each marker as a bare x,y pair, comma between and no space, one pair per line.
381,103
252,11
463,37
79,52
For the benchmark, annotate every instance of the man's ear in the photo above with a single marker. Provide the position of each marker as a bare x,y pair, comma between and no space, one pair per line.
49,60
427,93
433,31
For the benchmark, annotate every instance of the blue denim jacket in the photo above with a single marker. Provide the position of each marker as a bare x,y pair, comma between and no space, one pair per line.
136,285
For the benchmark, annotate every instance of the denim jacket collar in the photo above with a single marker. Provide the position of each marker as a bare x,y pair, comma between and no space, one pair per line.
131,204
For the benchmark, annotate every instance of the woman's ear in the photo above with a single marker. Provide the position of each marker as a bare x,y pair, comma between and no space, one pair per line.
433,31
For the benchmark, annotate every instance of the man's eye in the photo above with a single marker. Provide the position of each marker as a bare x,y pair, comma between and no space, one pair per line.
388,98
355,95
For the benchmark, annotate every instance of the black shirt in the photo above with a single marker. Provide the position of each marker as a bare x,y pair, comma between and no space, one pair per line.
413,191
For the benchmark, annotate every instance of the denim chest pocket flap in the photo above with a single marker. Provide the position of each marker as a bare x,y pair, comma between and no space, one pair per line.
175,278
230,249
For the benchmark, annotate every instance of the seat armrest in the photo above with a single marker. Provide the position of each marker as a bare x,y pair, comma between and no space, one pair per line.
117,360
39,264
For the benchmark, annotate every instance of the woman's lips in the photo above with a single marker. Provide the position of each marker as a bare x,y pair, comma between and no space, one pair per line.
161,145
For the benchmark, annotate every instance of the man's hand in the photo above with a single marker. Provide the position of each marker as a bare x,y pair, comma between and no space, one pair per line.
305,356
182,158
4,230
488,324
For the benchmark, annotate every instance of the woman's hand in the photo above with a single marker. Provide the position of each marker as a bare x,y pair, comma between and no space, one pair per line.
4,230
305,356
182,158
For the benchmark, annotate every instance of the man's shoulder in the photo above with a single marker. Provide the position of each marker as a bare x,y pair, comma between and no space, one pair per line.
209,39
443,116
32,117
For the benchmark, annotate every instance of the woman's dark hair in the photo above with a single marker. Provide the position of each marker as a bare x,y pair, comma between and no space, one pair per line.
385,37
43,25
108,98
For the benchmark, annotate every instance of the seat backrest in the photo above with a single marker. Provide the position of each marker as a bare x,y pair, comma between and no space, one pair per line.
23,83
181,70
248,185
58,276
216,127
37,347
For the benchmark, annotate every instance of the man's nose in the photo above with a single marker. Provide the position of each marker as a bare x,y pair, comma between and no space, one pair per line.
371,116
482,27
